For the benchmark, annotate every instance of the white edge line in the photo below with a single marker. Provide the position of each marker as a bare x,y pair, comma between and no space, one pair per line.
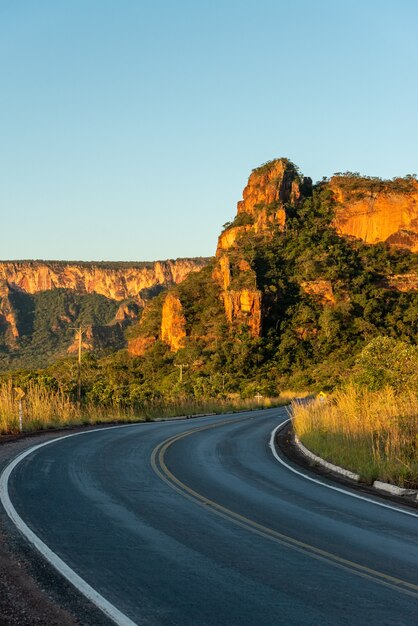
320,482
79,583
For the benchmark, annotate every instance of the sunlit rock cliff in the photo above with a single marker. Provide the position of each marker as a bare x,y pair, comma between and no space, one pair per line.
43,302
270,190
375,210
279,211
117,281
296,273
173,322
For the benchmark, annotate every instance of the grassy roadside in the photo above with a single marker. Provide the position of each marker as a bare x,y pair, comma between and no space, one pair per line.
374,434
44,409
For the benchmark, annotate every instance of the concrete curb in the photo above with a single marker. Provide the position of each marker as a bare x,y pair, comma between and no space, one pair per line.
379,485
394,489
333,468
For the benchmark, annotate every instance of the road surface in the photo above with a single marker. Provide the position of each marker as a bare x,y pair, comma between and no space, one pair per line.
195,522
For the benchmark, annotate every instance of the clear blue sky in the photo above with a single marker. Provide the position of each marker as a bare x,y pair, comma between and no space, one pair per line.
128,128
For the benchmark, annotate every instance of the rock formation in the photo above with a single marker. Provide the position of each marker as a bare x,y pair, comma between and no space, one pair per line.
269,191
173,322
117,281
404,282
23,285
8,321
374,210
322,289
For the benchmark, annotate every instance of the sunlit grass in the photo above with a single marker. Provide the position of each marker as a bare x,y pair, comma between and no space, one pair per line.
374,434
44,409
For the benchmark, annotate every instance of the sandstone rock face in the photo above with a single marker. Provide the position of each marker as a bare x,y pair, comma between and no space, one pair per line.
404,282
139,345
117,283
276,181
8,322
245,306
383,212
228,238
270,189
321,289
173,322
127,311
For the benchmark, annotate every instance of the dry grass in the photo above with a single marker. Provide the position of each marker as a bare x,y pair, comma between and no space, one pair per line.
43,409
372,433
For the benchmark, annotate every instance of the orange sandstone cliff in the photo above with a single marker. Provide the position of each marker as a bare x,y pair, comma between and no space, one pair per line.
118,281
173,322
376,210
270,189
132,284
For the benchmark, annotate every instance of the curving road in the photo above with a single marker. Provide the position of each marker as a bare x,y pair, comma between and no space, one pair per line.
195,523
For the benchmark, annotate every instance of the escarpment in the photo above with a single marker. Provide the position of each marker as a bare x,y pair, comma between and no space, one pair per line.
173,322
297,268
377,210
279,209
42,302
272,190
117,281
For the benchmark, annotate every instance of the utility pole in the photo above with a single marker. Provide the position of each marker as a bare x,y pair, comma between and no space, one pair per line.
180,366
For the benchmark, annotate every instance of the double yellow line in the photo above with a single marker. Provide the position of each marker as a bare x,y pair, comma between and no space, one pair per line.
160,468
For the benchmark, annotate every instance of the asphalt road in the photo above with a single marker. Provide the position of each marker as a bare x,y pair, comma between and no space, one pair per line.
195,523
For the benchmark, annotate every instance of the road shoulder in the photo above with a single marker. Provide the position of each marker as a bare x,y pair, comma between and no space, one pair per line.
285,442
31,591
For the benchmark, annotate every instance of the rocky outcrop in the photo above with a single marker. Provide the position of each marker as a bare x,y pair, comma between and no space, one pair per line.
8,321
277,181
139,345
173,322
127,311
118,281
374,210
403,282
321,289
244,306
270,190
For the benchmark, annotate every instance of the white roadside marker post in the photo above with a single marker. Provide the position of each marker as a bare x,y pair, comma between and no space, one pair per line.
20,395
20,416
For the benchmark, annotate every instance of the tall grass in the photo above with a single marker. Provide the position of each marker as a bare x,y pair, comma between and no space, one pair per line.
43,409
374,434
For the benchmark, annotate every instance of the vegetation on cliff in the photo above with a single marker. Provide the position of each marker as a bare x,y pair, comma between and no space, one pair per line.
46,323
287,303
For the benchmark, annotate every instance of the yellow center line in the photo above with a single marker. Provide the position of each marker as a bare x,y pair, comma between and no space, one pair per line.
160,468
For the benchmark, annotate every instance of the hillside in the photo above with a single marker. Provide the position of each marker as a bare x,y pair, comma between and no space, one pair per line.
41,303
292,295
